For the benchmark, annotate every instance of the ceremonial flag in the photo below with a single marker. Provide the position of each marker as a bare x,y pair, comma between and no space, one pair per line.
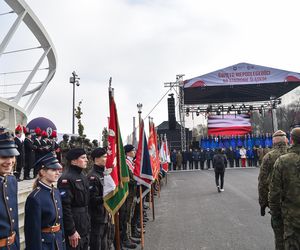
229,124
153,150
116,183
164,155
142,169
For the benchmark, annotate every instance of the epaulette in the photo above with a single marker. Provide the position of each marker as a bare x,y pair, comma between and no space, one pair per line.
64,181
92,177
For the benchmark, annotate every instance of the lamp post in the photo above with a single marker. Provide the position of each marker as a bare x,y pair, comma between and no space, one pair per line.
74,79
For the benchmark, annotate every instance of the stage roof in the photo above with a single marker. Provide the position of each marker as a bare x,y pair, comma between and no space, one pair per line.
242,82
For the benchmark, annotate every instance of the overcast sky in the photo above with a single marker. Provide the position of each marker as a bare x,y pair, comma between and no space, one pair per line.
142,44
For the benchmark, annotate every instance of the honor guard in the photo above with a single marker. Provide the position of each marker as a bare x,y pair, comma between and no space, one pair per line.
43,225
74,190
20,148
29,149
9,233
98,213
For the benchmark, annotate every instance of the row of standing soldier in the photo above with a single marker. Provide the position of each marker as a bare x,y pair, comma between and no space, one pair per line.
278,189
70,217
195,159
37,144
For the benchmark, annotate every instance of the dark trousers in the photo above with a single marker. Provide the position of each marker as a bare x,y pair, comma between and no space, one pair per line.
184,165
190,164
208,164
196,164
82,245
27,168
123,221
219,176
254,162
231,163
237,163
202,165
19,166
98,235
249,161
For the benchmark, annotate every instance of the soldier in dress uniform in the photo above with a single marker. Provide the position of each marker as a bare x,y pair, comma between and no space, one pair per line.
72,142
46,146
126,208
29,149
20,147
74,190
9,233
264,178
43,226
284,194
98,213
64,149
37,143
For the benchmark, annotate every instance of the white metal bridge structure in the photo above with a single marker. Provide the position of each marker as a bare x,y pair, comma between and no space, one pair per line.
27,62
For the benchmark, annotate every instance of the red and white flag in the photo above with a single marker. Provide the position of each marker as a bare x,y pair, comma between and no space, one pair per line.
229,124
153,150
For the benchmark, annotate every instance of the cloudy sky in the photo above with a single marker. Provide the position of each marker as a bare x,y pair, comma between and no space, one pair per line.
141,44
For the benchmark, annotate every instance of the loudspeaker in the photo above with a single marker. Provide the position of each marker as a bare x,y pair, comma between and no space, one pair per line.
171,113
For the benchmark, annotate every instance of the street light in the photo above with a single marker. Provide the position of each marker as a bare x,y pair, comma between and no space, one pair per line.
74,79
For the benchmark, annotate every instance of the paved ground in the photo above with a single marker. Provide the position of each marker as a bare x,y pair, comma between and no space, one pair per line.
192,215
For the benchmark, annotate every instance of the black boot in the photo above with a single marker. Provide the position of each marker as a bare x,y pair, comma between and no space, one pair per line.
129,244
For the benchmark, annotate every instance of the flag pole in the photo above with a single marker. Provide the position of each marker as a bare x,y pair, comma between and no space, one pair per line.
117,231
116,216
151,191
139,106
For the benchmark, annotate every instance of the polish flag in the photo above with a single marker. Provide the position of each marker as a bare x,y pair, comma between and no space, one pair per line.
229,124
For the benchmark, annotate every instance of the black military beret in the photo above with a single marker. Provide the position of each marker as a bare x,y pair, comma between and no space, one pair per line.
98,152
128,148
48,161
7,145
75,153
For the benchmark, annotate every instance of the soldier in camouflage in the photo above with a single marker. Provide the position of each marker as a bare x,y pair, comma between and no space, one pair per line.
72,142
64,148
284,194
266,170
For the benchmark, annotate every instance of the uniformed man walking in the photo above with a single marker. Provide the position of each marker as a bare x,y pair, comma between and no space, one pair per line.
9,233
284,195
266,170
74,190
98,213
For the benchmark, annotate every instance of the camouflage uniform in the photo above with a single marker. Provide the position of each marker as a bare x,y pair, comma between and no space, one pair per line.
266,170
284,196
64,147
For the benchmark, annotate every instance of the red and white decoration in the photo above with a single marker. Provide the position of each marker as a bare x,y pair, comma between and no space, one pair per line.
229,124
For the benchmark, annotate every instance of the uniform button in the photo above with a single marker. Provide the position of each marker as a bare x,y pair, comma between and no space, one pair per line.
43,240
5,185
56,201
13,221
10,209
58,217
58,208
7,198
38,187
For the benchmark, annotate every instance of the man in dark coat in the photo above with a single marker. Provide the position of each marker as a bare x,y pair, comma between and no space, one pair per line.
74,190
20,147
9,233
219,161
29,148
99,216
